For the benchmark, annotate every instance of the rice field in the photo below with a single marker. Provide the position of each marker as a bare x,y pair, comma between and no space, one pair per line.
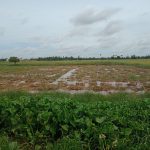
101,76
75,105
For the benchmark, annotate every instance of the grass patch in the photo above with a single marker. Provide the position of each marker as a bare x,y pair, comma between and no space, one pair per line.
26,65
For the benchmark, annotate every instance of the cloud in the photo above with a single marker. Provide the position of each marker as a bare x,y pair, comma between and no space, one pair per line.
2,31
42,41
112,28
71,49
109,43
78,50
91,16
142,44
79,31
26,52
24,20
145,13
139,45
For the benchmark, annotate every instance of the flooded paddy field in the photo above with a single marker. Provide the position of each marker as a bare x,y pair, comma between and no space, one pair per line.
100,78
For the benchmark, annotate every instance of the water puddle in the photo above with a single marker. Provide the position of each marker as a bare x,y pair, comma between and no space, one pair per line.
53,75
114,84
139,85
64,77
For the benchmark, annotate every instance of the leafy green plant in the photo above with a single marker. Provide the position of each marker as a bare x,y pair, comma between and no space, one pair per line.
47,121
5,144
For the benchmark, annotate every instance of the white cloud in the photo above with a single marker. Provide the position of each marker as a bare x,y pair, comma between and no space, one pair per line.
92,15
112,28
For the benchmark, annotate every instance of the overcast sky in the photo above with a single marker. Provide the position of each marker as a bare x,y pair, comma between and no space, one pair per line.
39,28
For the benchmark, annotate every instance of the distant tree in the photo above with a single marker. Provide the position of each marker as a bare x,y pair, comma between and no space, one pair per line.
3,59
14,59
118,57
133,57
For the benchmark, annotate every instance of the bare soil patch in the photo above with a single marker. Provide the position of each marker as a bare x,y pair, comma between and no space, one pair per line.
77,79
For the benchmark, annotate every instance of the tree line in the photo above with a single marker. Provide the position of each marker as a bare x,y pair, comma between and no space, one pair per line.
58,58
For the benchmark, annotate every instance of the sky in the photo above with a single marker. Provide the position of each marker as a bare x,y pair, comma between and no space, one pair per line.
85,28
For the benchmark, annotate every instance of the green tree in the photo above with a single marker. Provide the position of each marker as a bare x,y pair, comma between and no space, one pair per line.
14,59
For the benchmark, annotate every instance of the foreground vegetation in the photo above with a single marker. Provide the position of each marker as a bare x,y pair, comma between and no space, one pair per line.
84,121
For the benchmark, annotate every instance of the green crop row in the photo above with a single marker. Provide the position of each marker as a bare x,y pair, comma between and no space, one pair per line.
48,121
